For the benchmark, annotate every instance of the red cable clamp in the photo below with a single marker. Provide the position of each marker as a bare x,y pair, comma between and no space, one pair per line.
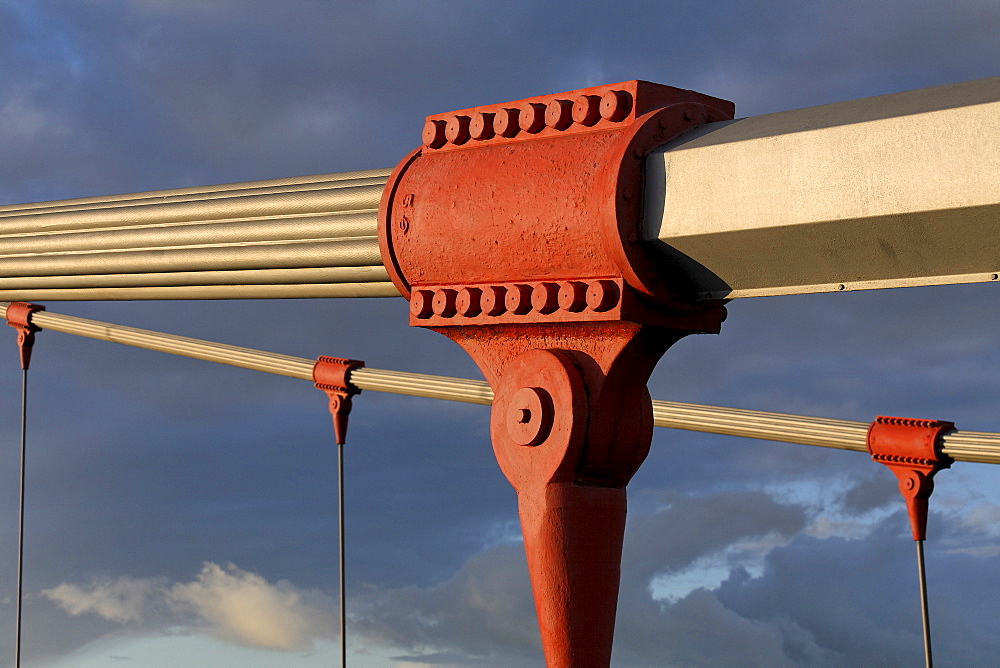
330,375
909,448
19,317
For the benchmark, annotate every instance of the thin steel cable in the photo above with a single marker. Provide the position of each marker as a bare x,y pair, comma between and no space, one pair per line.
20,521
340,535
925,614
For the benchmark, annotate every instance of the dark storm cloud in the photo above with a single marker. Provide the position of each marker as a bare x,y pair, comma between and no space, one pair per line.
818,602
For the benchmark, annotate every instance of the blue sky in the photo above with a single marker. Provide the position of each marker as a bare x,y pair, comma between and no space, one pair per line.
183,514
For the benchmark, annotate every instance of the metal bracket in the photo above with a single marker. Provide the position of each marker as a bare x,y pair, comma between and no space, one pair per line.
330,374
19,317
514,231
909,448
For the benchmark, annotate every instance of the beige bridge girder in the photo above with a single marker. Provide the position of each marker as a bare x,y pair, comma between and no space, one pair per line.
890,191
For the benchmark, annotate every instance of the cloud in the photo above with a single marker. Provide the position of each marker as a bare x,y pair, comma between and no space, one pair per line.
226,602
245,609
120,600
817,601
483,615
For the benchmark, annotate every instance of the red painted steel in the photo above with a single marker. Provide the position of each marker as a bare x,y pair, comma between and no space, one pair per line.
330,375
909,448
19,317
515,231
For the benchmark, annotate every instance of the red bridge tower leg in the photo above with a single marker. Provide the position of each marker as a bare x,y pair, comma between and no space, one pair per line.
515,232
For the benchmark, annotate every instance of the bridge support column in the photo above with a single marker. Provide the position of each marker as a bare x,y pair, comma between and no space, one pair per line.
515,232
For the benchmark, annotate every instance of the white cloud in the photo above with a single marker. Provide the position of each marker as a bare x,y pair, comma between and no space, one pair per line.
228,603
245,609
120,600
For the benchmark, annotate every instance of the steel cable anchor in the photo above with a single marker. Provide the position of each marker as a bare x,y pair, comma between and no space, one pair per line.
332,375
909,448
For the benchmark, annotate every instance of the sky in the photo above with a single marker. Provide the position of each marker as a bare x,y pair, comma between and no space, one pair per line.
181,513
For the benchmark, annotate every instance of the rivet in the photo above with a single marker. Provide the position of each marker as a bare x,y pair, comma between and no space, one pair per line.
994,277
841,287
493,301
587,109
532,117
602,295
616,105
469,301
433,135
457,130
443,303
505,123
481,126
518,299
420,303
632,237
545,297
559,114
573,296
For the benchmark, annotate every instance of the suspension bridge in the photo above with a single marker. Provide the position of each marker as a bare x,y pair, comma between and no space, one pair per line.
565,242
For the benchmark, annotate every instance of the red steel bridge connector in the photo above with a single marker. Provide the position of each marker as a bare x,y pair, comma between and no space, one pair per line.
19,317
330,374
910,449
515,230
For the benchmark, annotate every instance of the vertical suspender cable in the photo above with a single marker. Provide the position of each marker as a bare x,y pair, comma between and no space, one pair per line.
922,574
340,560
20,522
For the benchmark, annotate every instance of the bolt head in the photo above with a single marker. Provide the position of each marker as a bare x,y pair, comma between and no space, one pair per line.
433,134
532,117
481,126
587,110
494,300
469,301
559,114
443,302
505,122
529,416
602,295
545,297
616,105
573,296
420,303
457,130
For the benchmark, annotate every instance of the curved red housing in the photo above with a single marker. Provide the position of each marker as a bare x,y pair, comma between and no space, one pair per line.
543,190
